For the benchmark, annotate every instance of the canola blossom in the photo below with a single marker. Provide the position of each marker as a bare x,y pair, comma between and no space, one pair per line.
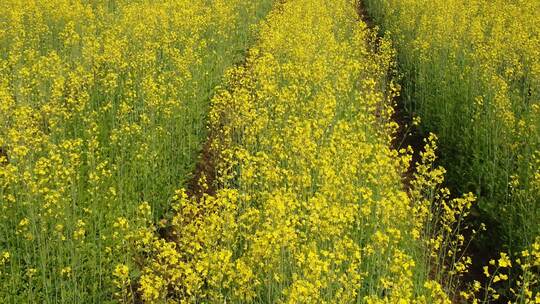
310,206
472,72
102,111
248,151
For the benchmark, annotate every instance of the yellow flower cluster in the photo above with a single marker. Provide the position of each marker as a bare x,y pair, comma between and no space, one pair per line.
310,206
472,72
524,289
4,259
102,110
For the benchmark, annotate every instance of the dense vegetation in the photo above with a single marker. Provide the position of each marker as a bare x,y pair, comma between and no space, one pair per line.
102,112
247,151
310,206
471,71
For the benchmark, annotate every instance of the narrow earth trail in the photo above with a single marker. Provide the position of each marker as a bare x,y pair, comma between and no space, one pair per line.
407,133
203,180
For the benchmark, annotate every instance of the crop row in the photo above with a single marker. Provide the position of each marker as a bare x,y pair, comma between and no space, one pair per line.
471,71
102,112
309,204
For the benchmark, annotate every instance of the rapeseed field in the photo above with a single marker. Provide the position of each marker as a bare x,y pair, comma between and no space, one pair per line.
102,112
252,151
